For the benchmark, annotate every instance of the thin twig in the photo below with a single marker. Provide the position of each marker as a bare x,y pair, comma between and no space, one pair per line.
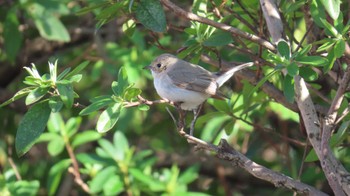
142,100
193,17
75,169
12,163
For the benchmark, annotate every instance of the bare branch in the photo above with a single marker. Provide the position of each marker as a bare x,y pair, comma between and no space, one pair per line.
193,17
335,173
225,152
273,19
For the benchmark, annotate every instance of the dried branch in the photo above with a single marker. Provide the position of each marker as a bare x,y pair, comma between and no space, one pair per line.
193,17
330,119
273,19
226,152
334,171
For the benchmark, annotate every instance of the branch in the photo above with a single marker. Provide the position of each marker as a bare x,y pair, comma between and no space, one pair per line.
333,110
75,169
226,152
193,17
335,172
142,100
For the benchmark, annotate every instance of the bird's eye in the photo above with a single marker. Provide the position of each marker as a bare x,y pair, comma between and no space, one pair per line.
159,65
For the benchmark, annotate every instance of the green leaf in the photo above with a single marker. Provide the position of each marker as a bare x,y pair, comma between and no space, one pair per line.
131,93
55,104
220,38
284,49
143,107
108,118
288,88
85,137
317,12
56,146
311,157
262,81
308,73
94,159
36,94
113,186
66,93
55,175
76,78
328,44
77,70
91,8
311,60
63,74
118,87
151,14
330,29
23,187
339,48
331,59
11,34
50,27
293,69
108,149
31,127
153,184
95,106
305,50
189,175
98,182
72,126
21,93
332,7
121,145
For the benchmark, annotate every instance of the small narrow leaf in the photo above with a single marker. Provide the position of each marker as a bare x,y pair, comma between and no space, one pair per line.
55,175
63,74
66,93
312,60
143,107
95,106
77,70
118,87
305,50
85,137
339,48
151,14
18,95
331,59
219,39
31,127
288,88
55,104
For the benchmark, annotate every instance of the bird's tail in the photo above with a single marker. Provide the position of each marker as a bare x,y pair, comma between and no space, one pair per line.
222,77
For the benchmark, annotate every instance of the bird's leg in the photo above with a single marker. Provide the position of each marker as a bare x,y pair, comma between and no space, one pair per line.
182,114
195,116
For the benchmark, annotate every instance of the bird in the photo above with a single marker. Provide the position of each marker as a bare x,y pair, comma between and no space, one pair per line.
188,85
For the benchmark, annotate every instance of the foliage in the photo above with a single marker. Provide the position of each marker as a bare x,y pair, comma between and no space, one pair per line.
88,108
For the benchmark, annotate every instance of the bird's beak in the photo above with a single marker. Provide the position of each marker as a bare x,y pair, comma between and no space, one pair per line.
148,67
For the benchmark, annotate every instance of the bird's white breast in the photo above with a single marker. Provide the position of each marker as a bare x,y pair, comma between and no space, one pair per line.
167,90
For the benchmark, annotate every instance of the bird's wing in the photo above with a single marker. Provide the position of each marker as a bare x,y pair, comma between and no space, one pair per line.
194,79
